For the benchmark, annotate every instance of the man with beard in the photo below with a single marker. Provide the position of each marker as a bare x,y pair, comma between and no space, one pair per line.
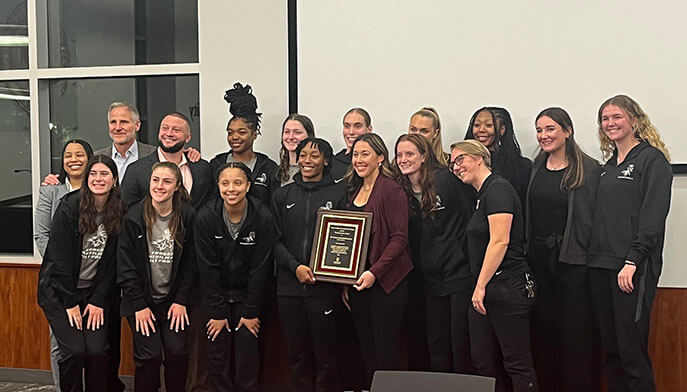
174,133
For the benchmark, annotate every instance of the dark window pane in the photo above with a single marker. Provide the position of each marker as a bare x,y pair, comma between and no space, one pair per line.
105,32
14,36
78,108
16,233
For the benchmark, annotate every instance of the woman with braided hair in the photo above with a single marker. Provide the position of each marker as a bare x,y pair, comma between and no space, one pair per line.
242,130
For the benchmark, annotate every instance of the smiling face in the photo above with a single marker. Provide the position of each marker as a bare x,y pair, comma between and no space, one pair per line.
312,163
100,179
550,135
365,160
240,136
292,134
121,126
174,133
465,166
484,128
617,124
423,126
408,158
74,160
163,184
354,126
233,186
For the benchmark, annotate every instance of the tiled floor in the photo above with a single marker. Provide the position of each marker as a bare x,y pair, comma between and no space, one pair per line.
13,386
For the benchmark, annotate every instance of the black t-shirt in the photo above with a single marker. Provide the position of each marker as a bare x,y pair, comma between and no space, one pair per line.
548,203
496,196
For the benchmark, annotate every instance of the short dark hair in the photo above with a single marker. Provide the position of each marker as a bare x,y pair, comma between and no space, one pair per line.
322,146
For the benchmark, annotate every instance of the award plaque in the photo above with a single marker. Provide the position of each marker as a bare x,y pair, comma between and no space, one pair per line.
340,243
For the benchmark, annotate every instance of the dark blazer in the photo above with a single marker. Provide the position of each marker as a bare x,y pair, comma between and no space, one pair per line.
580,217
59,273
137,181
143,150
133,264
389,255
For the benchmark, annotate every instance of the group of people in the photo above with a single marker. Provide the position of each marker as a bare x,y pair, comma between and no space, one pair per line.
494,264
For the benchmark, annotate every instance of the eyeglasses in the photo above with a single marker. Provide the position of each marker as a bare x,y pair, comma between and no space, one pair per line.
458,160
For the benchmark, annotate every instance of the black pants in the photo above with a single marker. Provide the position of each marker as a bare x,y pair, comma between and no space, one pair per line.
237,350
377,317
624,326
310,329
114,336
163,346
414,321
198,352
565,341
447,332
79,350
500,341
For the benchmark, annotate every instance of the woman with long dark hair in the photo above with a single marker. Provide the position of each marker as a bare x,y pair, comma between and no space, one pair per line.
155,270
626,259
78,273
378,298
503,294
493,127
560,211
295,128
234,236
440,207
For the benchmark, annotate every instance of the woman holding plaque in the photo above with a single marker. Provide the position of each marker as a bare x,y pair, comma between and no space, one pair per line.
78,274
440,207
378,298
155,269
503,294
632,204
308,308
234,237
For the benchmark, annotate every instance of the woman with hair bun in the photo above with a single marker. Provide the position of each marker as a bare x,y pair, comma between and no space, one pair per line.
626,255
296,127
559,217
242,130
493,127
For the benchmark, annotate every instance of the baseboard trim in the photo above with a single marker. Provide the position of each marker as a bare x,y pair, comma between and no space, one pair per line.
35,376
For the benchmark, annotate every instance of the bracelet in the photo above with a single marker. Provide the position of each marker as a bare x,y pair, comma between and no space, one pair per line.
632,263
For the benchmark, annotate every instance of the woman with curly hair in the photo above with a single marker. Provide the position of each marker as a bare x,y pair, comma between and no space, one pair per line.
626,259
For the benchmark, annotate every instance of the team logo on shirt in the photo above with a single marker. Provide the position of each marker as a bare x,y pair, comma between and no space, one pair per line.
327,206
437,204
99,238
627,173
248,240
164,243
261,179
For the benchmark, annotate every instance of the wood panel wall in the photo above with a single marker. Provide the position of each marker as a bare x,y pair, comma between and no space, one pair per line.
24,339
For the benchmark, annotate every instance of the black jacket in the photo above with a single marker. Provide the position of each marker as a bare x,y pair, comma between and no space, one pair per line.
234,270
438,241
580,217
59,273
133,265
136,182
340,164
295,209
263,177
631,209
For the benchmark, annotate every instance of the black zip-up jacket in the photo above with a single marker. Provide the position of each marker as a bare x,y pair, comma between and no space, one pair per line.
59,273
133,264
234,270
340,164
632,202
580,217
295,209
263,176
438,242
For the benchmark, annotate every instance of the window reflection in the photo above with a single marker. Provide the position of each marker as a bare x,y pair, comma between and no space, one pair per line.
14,37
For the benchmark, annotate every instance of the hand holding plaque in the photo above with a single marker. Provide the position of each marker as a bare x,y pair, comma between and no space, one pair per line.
340,245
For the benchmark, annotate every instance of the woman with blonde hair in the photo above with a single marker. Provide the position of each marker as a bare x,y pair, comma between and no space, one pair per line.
626,259
425,122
